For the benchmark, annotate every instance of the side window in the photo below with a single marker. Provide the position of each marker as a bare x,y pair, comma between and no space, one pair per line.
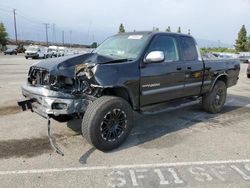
167,45
188,49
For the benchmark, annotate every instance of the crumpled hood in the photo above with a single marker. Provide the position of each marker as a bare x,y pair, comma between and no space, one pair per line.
66,65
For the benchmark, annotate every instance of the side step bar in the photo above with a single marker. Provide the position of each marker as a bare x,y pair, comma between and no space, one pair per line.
169,106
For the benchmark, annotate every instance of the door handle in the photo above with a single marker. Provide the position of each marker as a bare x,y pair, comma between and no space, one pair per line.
189,68
178,68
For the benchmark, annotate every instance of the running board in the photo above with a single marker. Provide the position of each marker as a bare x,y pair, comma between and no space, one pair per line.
169,106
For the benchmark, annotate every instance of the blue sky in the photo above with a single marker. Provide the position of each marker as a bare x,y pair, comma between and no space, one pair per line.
96,19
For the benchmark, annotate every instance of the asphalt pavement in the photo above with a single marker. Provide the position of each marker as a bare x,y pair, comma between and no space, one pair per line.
184,147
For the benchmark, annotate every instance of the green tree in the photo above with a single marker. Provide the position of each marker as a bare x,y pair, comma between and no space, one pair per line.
179,30
3,35
93,45
121,28
168,29
241,41
248,44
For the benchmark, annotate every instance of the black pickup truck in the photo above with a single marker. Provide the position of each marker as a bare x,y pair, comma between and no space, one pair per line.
127,72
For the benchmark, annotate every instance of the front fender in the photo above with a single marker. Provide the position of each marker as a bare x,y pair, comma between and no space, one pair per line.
119,75
120,91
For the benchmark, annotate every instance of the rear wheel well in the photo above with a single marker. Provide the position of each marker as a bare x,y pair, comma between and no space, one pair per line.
223,78
119,92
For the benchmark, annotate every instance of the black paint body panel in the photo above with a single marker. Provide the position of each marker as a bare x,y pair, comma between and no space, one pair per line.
170,80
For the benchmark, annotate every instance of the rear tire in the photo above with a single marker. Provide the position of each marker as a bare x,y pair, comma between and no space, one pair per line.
248,75
107,122
214,101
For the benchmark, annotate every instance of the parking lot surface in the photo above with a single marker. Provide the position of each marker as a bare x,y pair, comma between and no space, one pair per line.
184,147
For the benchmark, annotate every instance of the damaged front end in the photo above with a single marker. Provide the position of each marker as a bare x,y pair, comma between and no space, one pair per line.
54,95
59,90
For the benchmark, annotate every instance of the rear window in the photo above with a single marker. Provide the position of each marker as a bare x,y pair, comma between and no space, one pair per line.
188,49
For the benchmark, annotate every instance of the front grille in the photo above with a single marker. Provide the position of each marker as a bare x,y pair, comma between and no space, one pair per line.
38,76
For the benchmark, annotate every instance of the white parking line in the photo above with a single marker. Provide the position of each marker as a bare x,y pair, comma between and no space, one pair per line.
91,168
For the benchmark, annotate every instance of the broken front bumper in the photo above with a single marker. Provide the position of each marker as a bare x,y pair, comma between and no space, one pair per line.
46,102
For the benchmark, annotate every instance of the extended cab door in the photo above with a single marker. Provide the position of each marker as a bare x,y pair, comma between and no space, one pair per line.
193,65
162,81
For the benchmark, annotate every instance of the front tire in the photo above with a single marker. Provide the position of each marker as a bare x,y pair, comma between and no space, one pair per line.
214,101
107,122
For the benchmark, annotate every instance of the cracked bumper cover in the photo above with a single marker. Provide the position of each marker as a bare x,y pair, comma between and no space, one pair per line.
44,101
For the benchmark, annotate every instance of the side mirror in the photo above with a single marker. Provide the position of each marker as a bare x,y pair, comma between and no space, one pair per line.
154,57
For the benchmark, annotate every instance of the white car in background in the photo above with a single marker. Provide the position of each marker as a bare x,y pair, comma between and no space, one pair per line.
54,51
35,52
61,51
48,52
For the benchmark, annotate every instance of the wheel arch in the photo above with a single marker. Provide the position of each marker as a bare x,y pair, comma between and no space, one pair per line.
221,77
119,92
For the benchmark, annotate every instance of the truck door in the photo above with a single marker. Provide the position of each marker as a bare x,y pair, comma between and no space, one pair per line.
193,65
162,81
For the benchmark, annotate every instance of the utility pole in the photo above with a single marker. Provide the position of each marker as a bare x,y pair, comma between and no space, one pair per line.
53,33
46,29
70,38
63,38
14,12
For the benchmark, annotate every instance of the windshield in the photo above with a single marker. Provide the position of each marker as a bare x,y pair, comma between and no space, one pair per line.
122,46
32,48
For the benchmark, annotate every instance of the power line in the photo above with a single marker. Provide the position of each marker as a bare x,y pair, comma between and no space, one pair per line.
34,24
35,20
5,10
6,7
29,20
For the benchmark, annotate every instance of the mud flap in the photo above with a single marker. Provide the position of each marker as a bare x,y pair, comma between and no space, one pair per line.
54,146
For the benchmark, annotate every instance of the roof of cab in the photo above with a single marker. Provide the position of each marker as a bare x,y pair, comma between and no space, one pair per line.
152,33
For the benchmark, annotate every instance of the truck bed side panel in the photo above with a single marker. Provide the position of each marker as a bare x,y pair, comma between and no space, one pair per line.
216,68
